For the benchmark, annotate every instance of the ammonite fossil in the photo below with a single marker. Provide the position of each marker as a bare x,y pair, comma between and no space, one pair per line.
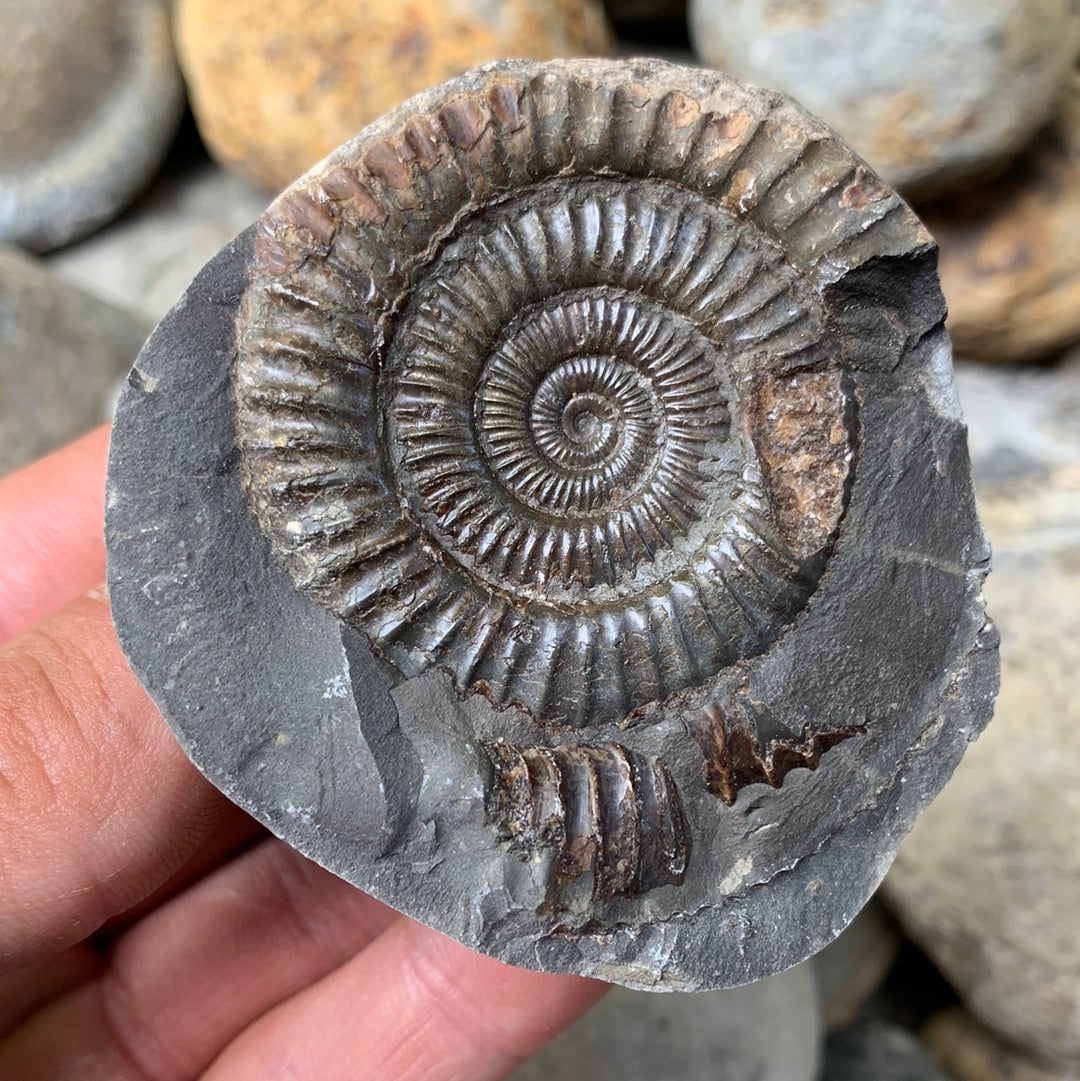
520,513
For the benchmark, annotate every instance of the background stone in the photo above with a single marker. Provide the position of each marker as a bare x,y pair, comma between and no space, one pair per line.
278,84
146,260
766,1031
875,1050
62,354
89,98
928,91
973,1053
1010,251
989,880
852,967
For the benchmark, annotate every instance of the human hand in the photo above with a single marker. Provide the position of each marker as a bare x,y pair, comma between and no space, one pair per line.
149,930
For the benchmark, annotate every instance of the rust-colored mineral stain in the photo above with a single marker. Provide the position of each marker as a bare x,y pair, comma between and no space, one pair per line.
863,190
463,122
681,110
505,101
797,423
311,213
343,183
732,127
423,139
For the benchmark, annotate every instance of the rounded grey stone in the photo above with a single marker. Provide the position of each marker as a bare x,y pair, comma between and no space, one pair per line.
90,96
766,1031
930,92
875,1050
63,354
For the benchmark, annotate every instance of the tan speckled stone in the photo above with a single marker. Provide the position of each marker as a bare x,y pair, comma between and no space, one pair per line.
276,85
971,1052
1010,252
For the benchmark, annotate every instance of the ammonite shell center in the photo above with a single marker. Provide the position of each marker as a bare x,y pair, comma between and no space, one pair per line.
557,453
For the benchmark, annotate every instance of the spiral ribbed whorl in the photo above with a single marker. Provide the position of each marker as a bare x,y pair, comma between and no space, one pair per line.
536,383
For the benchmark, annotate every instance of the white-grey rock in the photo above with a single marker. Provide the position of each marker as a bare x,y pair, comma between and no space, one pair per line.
145,260
90,96
765,1031
989,880
62,355
928,91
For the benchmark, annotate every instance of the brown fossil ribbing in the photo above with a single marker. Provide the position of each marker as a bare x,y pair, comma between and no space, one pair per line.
736,756
609,814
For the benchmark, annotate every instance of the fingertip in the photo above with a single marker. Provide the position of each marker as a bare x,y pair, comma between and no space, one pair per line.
51,543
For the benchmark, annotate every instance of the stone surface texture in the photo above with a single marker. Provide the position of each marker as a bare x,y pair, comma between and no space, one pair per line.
276,85
408,446
1010,251
930,92
719,1035
853,967
63,354
989,881
875,1050
90,97
971,1052
147,259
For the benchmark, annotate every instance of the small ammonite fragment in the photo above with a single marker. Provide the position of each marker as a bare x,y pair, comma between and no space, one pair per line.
611,817
553,516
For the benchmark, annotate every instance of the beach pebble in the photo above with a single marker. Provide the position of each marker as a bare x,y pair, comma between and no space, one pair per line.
1010,251
90,98
971,1052
988,882
765,1031
276,85
930,92
62,356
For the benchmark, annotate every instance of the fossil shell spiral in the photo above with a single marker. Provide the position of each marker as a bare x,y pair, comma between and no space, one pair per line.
538,385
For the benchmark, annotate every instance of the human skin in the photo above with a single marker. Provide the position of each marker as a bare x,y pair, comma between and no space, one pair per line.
151,931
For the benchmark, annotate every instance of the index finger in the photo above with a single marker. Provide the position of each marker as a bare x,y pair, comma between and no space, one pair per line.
51,546
99,803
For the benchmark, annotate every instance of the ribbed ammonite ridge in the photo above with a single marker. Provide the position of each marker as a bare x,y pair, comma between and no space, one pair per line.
611,817
529,373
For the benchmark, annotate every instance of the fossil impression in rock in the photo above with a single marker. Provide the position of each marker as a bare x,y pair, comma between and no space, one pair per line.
572,465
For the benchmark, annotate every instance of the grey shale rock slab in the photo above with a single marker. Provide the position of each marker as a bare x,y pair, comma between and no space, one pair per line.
766,1031
521,565
989,881
90,96
931,93
63,354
